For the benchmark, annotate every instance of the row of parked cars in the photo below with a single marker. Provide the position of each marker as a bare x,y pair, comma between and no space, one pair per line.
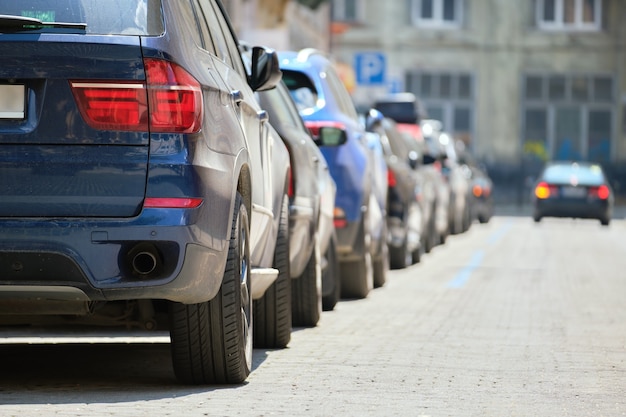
156,172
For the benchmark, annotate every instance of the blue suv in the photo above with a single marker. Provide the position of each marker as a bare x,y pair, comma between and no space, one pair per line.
138,178
357,168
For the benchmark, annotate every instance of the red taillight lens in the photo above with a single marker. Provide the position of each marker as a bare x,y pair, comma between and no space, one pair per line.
477,190
543,190
175,98
170,101
340,220
184,203
113,105
602,192
391,178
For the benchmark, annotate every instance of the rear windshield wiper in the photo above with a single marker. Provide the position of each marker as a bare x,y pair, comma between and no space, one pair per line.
10,23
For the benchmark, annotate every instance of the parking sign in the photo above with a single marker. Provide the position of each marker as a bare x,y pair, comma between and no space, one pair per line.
370,68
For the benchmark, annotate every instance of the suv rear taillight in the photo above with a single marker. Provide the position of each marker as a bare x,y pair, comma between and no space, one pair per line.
169,101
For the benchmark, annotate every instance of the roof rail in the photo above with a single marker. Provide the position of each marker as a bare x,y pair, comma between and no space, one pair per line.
304,54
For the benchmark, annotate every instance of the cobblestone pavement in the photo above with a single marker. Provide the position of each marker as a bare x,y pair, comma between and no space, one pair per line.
509,319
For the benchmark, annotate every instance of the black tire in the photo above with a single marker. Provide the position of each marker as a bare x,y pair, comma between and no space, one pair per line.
211,342
605,221
357,276
416,255
399,256
381,263
306,293
272,312
331,279
431,238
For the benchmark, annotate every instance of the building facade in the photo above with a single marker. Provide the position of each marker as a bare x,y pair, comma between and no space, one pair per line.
282,24
520,81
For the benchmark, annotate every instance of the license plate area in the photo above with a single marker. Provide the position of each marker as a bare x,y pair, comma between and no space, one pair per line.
12,101
573,192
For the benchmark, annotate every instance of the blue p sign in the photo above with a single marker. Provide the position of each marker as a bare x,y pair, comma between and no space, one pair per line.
370,68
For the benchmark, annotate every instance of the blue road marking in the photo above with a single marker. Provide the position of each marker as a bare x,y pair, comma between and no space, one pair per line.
499,234
464,274
461,278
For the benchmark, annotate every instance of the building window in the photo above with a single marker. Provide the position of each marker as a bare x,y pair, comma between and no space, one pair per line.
569,15
447,97
437,13
347,10
568,116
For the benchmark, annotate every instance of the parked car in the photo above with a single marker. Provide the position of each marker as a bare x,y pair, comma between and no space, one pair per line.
139,179
456,174
328,111
481,198
481,205
573,189
405,219
312,193
436,189
408,112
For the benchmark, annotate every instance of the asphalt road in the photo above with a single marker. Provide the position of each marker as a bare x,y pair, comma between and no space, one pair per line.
509,319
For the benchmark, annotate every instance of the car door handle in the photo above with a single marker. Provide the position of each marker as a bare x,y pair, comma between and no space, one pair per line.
237,96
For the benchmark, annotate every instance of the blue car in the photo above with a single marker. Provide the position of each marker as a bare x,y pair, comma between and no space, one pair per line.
138,178
356,164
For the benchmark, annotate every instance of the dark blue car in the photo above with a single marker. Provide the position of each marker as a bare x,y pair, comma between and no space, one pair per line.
137,178
358,170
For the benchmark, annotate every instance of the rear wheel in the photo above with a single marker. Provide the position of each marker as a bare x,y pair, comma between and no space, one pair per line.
357,276
272,312
431,238
399,256
331,280
381,263
306,293
211,342
605,221
416,255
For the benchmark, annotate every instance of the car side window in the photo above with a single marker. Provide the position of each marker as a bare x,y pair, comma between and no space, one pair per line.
206,41
212,30
283,106
231,42
291,106
219,34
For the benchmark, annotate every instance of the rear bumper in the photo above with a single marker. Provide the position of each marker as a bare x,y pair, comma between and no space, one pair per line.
96,257
587,209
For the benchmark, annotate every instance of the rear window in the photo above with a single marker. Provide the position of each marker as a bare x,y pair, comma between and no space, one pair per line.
103,17
566,173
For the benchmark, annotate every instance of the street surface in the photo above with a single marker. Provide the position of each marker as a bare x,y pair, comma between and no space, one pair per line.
509,319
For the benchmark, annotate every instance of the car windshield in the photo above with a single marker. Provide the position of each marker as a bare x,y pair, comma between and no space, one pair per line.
566,173
102,17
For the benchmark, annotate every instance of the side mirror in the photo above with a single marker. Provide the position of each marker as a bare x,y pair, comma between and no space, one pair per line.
266,71
331,136
428,159
413,160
